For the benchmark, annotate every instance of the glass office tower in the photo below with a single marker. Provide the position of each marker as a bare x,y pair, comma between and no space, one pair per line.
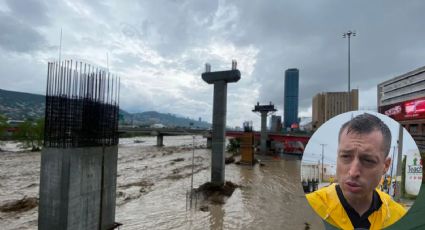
290,104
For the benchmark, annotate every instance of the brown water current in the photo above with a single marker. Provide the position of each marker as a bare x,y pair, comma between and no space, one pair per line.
153,182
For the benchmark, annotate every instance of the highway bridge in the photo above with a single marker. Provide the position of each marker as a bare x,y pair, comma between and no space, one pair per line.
161,132
285,139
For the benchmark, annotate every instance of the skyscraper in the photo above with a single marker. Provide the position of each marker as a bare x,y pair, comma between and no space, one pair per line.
290,104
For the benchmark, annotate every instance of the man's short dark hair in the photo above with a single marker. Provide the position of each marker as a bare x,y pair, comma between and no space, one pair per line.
365,124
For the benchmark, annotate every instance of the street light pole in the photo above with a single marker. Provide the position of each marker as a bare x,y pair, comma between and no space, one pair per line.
348,35
323,157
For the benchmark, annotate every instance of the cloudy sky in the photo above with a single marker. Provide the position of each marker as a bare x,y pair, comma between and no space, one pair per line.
159,48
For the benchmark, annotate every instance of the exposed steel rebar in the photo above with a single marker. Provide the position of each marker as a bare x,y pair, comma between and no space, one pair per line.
81,106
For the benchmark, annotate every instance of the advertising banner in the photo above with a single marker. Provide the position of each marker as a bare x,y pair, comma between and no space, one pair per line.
413,173
407,110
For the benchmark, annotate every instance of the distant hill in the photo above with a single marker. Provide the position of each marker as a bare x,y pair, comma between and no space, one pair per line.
169,120
21,106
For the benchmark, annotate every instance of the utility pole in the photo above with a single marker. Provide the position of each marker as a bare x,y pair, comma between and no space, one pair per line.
348,35
397,190
323,157
391,172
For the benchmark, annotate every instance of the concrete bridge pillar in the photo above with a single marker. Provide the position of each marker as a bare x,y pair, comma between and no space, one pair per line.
264,110
218,134
209,142
160,140
263,142
220,80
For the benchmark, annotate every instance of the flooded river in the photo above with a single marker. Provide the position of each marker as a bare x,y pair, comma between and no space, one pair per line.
153,182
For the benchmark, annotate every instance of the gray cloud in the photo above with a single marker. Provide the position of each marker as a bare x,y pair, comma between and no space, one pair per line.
171,26
307,36
30,11
160,47
19,37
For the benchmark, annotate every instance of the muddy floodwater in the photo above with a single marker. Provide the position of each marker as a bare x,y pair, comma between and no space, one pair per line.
152,188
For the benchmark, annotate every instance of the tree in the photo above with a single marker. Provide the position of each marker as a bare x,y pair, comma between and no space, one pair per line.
233,145
31,134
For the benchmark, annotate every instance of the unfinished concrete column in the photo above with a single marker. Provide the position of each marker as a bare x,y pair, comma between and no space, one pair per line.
220,80
79,159
264,136
264,110
208,135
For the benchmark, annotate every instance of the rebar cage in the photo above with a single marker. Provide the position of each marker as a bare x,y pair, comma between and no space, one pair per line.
82,106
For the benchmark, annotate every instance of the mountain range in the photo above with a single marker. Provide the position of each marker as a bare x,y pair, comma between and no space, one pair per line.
22,106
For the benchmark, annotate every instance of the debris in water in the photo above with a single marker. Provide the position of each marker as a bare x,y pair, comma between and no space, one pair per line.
176,176
32,185
255,162
229,160
142,183
22,205
215,194
167,152
120,194
178,159
204,208
209,189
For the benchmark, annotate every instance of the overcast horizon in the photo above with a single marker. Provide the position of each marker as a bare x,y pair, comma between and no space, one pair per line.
159,48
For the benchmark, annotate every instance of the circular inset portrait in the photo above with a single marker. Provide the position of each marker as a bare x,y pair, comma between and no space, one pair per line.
361,170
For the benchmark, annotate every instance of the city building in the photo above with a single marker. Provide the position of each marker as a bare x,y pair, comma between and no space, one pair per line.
403,99
330,104
311,170
290,101
275,123
306,124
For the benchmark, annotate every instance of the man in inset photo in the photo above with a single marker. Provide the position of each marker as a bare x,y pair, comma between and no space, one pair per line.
353,202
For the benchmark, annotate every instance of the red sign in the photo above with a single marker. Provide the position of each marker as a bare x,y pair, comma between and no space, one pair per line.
294,126
413,109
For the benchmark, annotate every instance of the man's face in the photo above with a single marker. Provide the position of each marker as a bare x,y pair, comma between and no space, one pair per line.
360,164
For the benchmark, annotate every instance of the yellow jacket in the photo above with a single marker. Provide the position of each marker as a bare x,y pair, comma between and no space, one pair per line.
326,203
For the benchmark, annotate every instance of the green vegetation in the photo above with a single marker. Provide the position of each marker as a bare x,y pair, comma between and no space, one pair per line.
233,146
3,126
31,134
